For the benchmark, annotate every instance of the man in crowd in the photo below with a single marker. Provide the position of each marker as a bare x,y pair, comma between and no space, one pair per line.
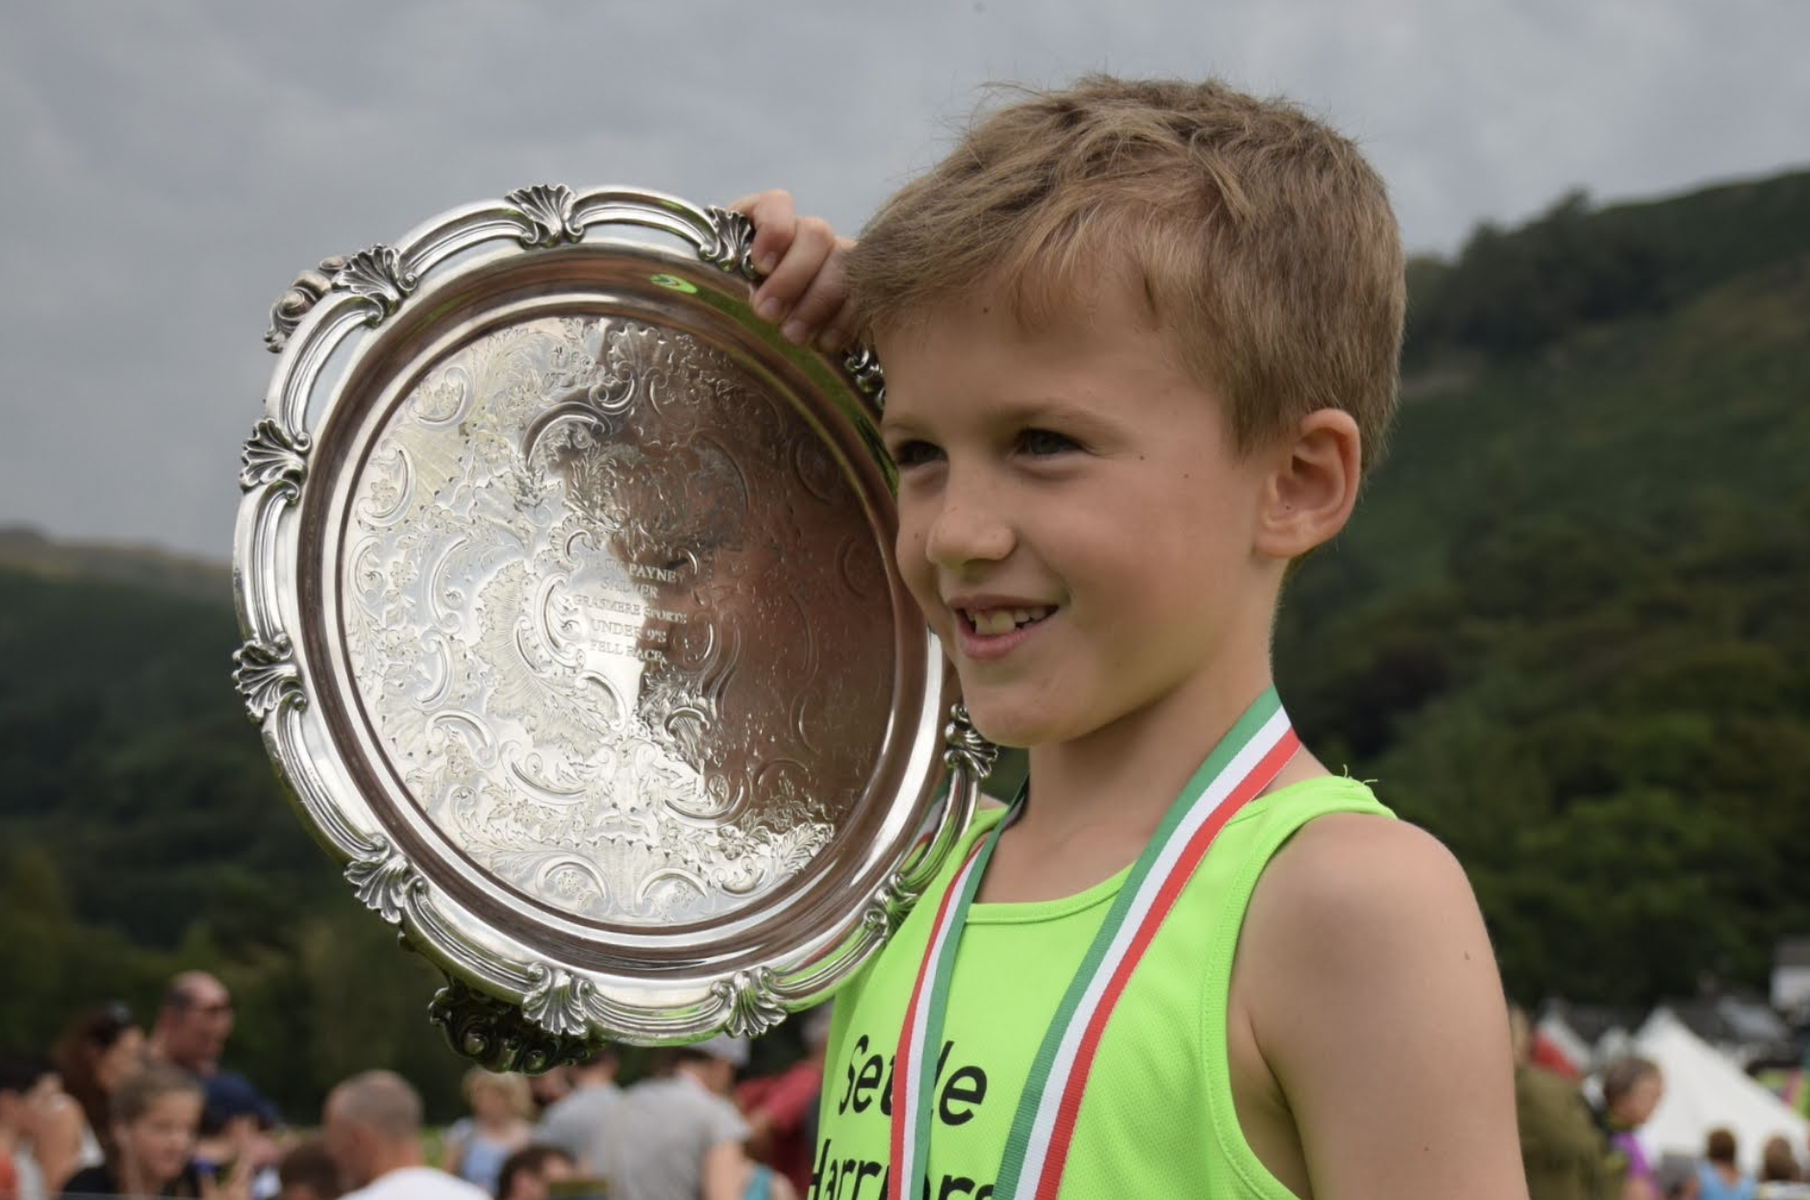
1564,1153
193,1023
678,1136
371,1124
579,1122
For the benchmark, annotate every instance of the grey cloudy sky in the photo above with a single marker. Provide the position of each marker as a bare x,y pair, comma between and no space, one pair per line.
167,167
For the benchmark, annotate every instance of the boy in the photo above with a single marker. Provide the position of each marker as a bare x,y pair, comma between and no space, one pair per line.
1140,340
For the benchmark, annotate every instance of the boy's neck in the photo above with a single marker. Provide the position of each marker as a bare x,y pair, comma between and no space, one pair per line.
1095,802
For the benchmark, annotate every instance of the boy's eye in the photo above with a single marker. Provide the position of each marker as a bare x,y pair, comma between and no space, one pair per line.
914,453
1043,442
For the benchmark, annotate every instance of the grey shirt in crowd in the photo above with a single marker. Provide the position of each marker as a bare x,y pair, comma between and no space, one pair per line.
579,1124
659,1134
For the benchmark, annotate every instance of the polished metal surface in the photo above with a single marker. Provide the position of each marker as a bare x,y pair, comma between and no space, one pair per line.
573,626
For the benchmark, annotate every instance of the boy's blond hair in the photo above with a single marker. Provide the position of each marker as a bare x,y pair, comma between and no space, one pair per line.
1260,241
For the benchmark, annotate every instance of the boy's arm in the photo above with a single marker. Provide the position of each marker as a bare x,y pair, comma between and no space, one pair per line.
803,290
1376,1005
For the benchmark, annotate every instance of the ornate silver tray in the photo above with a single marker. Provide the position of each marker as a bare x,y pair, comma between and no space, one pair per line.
573,627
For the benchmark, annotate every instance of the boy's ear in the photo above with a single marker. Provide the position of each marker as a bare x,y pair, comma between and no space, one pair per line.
1314,485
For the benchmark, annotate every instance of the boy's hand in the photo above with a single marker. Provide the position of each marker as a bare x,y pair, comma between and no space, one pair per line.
803,289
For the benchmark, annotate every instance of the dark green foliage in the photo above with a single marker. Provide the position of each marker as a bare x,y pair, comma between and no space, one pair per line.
145,832
1569,631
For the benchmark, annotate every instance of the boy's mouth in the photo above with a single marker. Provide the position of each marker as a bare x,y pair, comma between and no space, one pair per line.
997,622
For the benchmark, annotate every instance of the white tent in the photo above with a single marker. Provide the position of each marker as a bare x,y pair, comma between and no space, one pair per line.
1705,1091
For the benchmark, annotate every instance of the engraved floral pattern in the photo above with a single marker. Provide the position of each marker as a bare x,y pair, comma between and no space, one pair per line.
592,668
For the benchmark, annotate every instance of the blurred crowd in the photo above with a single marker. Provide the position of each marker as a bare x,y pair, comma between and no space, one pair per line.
1579,1139
116,1109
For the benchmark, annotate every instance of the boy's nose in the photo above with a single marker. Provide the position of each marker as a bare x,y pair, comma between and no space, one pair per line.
969,526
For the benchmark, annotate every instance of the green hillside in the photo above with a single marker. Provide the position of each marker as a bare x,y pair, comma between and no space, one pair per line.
142,830
1567,628
1567,632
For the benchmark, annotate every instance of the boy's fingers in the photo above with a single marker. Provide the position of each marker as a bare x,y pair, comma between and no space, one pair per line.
839,332
825,292
775,225
800,273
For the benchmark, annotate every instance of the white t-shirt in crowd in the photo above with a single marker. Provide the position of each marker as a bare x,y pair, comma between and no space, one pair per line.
418,1183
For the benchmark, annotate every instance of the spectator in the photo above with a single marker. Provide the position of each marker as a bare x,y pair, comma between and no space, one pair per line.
1718,1178
476,1146
31,1096
530,1172
1565,1156
100,1049
678,1136
155,1116
780,1108
549,1088
307,1172
1632,1088
372,1127
578,1122
190,1032
1777,1163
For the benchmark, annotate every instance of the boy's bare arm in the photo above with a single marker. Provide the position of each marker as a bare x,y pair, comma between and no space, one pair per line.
1373,998
803,290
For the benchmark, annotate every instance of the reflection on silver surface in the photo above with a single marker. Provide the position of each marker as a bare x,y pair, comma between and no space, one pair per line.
571,623
620,622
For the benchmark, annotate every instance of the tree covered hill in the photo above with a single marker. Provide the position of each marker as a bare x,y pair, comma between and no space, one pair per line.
1569,627
1567,631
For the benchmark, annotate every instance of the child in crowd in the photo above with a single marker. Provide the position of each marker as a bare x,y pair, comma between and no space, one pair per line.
155,1120
498,1126
1719,1175
1140,343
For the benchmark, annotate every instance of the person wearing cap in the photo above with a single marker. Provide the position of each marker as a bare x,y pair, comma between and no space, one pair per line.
678,1136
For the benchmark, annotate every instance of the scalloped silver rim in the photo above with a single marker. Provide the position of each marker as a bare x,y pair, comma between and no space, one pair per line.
309,325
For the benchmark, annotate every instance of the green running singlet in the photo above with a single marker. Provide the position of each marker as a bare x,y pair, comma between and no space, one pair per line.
1157,1118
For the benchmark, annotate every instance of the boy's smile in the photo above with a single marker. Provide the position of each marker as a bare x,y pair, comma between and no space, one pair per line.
1072,517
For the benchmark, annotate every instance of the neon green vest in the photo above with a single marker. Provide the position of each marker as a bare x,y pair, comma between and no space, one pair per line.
1157,1118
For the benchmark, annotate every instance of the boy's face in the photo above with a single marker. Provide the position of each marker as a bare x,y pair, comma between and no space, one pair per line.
1073,519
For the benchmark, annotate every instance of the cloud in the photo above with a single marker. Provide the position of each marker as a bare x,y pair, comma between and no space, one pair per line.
172,166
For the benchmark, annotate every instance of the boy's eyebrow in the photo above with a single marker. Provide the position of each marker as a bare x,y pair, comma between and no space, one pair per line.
1027,411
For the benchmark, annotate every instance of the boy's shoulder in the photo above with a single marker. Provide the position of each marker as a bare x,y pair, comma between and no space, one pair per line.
1357,892
1358,863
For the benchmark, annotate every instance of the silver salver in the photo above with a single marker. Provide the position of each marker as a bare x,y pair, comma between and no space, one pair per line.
573,627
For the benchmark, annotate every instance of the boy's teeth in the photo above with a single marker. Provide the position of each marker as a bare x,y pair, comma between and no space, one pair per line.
1000,621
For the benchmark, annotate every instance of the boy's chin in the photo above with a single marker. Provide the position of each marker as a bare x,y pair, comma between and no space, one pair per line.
1004,727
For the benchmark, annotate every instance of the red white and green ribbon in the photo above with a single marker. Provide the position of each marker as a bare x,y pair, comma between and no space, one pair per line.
1240,767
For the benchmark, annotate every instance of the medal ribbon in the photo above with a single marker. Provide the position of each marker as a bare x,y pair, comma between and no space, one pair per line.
1245,762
